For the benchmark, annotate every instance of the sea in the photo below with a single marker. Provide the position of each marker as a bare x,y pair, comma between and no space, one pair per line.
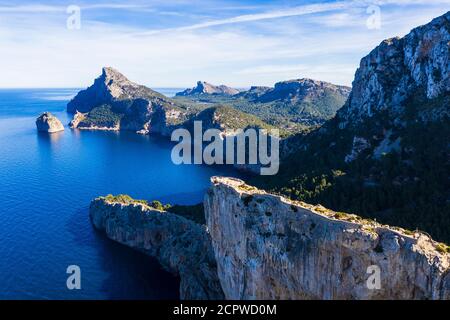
46,184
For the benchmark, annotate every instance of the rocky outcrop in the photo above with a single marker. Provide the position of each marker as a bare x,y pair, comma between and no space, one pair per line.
386,154
207,88
400,88
47,122
181,246
111,87
137,107
303,90
77,118
400,69
268,247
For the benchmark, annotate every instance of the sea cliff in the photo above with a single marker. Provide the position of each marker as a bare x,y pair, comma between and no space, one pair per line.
262,246
181,246
268,247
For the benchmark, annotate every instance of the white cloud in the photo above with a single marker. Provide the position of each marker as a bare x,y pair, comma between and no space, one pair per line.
274,14
38,51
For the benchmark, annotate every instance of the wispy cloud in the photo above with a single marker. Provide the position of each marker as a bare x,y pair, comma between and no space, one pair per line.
274,14
61,9
237,47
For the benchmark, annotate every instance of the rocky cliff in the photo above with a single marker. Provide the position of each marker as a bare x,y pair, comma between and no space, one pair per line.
205,88
386,154
302,89
267,247
400,69
181,246
47,122
125,105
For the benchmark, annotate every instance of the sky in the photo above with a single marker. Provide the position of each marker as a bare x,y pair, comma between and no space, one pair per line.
174,43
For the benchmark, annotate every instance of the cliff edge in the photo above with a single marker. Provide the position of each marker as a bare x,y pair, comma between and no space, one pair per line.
180,245
268,247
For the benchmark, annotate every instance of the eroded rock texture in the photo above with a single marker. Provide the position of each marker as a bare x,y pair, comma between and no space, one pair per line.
181,246
400,70
267,247
47,122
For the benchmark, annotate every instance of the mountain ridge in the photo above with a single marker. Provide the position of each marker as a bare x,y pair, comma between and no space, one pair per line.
386,154
292,104
205,88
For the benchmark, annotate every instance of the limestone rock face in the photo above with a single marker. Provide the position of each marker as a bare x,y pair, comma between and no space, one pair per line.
207,88
111,87
47,122
415,66
303,89
115,103
267,247
77,118
181,246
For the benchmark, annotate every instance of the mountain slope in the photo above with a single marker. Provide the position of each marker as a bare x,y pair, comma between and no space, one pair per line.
205,88
304,101
226,118
114,102
291,105
112,87
386,154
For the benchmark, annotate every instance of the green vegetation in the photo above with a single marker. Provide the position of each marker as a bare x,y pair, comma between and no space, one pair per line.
195,213
234,119
292,114
102,116
159,206
443,248
408,189
246,187
229,118
124,199
192,212
340,215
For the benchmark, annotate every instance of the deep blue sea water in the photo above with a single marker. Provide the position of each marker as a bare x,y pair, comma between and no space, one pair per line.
46,184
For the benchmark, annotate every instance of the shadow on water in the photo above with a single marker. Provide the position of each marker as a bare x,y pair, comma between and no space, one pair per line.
127,273
49,138
47,142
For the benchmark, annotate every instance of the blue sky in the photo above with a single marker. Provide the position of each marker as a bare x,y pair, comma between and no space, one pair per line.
174,43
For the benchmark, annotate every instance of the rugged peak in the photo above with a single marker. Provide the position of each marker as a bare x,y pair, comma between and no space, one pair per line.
109,88
115,82
415,66
310,83
204,87
301,89
109,73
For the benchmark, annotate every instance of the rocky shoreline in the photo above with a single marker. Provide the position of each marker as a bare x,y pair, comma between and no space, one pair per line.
181,246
